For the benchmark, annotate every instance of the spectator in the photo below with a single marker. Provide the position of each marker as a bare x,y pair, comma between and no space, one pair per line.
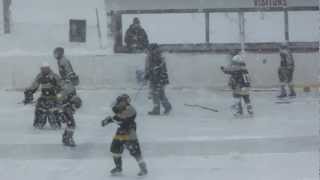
136,38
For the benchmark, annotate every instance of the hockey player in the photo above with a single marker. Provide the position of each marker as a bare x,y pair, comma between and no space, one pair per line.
239,83
286,71
47,103
126,136
69,102
157,75
65,67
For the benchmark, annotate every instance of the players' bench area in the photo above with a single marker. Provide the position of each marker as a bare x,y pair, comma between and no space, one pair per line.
219,25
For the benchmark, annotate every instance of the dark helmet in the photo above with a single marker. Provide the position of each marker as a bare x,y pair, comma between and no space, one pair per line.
121,103
153,47
124,98
136,20
58,52
76,101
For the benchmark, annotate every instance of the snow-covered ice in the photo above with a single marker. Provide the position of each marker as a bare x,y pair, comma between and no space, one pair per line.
280,142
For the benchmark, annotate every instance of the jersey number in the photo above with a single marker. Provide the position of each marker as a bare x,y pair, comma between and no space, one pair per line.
246,78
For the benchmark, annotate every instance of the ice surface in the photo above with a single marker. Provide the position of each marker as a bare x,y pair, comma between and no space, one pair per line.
280,142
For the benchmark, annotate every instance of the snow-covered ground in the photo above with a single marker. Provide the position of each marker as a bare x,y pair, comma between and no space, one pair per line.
280,142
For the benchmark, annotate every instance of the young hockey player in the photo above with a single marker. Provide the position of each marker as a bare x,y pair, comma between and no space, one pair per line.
286,71
47,103
126,136
65,67
157,75
69,102
239,83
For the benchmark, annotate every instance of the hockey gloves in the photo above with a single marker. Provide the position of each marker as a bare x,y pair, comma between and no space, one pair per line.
28,97
106,121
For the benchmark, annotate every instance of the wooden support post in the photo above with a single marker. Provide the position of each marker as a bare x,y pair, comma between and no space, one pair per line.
242,31
6,16
99,28
286,25
117,31
207,16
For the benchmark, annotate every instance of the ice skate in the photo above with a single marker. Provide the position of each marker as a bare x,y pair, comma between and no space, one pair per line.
154,112
116,171
143,169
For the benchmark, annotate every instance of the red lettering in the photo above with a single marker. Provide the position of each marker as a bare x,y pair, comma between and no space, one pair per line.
269,3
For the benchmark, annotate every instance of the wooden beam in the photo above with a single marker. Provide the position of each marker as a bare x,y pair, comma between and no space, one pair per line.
118,5
212,10
224,48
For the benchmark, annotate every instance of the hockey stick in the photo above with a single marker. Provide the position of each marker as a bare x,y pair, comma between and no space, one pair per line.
202,107
283,102
138,92
31,103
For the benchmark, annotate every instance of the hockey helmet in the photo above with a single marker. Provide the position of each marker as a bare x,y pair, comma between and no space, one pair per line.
237,60
153,47
136,20
124,98
45,67
58,52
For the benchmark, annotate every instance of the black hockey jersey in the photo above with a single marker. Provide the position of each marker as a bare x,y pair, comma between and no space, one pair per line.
287,60
239,76
125,118
50,84
156,70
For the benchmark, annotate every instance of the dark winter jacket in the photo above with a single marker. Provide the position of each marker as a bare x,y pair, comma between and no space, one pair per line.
239,75
287,60
66,71
126,121
156,70
136,37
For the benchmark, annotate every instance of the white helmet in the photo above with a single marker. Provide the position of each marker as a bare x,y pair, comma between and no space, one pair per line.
237,59
45,64
45,68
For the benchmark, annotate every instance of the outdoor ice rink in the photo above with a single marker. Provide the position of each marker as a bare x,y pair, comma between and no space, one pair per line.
279,142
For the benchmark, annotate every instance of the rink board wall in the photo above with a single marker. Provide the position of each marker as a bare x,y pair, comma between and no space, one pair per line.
185,70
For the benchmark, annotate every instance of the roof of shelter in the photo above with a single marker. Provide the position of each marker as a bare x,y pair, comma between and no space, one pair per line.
125,5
